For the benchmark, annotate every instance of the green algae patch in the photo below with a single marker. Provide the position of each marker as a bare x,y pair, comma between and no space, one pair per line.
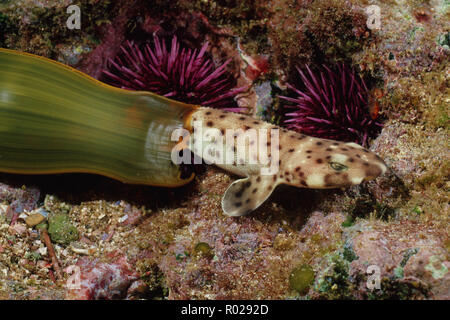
349,221
42,226
437,269
202,249
399,273
349,254
301,278
335,283
61,230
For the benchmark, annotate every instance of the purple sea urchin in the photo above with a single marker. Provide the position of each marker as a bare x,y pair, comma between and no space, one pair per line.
178,73
333,105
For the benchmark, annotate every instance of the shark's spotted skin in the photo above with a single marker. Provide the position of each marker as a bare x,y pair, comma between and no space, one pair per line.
295,159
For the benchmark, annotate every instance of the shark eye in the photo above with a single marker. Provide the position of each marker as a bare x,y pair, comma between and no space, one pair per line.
337,166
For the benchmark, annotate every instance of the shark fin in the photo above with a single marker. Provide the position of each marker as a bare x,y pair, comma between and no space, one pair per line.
245,195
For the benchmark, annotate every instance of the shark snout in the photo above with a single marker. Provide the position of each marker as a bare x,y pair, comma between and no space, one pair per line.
374,170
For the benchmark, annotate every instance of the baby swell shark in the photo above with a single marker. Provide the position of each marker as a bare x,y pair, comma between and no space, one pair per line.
266,156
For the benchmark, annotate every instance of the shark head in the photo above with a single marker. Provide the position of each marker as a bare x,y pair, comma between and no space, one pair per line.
326,164
305,162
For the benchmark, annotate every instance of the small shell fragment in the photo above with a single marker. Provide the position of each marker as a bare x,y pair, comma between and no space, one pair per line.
43,251
80,250
34,219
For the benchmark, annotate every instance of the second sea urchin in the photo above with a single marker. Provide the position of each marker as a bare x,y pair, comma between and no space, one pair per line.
332,105
178,73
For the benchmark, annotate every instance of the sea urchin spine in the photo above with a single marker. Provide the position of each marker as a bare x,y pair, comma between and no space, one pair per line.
182,74
333,105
